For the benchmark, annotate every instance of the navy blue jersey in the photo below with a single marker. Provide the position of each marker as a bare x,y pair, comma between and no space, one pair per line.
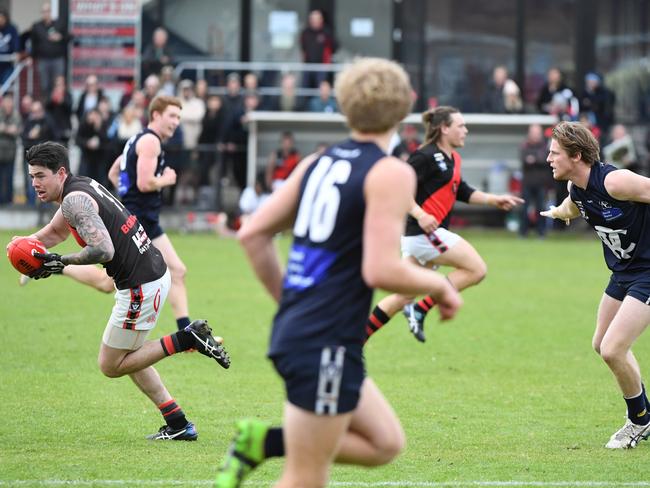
136,201
324,298
623,226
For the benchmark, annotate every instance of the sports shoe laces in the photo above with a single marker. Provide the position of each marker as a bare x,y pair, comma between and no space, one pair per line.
630,430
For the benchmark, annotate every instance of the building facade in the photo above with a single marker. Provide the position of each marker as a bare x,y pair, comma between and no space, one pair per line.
449,47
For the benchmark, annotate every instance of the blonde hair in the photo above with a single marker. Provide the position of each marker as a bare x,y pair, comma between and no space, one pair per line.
161,102
575,138
433,120
374,94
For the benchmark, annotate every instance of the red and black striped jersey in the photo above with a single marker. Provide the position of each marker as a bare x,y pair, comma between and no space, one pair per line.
136,260
439,185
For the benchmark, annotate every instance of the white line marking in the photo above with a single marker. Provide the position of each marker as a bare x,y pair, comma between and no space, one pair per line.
413,484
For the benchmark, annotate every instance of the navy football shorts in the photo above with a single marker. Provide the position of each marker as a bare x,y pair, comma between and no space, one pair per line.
637,286
151,224
325,381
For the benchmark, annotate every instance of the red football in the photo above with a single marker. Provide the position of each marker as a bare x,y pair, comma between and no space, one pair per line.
21,254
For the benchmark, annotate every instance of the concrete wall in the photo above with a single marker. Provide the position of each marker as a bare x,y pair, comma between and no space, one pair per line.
25,12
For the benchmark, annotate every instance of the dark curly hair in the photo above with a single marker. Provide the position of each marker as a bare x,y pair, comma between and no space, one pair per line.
49,154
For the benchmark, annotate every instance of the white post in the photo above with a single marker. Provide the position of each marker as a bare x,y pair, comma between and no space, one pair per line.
251,167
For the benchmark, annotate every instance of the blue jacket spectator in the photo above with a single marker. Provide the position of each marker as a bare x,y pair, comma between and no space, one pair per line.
597,101
9,44
325,102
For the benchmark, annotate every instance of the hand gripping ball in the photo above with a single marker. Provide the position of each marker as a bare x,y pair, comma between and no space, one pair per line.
21,254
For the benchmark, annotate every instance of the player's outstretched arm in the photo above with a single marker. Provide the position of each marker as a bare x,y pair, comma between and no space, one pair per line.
81,212
503,202
388,191
623,184
275,215
566,211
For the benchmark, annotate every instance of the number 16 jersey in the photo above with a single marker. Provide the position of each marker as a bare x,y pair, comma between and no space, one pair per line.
324,298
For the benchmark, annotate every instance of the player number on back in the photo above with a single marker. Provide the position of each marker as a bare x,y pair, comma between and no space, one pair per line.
321,199
104,193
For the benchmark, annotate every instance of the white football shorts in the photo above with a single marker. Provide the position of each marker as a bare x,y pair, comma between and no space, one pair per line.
426,248
135,314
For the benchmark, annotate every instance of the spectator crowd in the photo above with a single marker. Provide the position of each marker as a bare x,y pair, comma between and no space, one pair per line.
210,144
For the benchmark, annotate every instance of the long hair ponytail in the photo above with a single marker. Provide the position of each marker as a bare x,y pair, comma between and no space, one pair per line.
433,120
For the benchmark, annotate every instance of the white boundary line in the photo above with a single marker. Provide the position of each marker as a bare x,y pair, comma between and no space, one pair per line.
411,484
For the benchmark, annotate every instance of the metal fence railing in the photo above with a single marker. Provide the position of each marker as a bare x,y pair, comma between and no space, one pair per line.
273,70
13,81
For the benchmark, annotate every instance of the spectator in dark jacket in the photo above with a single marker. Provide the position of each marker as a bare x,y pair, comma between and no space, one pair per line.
233,101
91,138
537,179
552,89
211,137
59,108
9,133
49,48
235,141
502,95
9,44
89,98
597,101
157,54
318,45
37,128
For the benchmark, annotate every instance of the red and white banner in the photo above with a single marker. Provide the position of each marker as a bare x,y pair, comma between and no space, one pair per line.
106,43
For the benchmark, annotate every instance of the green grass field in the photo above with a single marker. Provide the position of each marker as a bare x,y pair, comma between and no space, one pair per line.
508,394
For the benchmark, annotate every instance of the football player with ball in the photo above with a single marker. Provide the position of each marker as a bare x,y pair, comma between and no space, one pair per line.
109,235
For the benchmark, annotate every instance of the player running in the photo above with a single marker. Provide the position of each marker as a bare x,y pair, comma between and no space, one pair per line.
111,236
139,175
347,210
427,241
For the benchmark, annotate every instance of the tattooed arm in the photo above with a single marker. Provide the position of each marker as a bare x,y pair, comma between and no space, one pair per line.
82,213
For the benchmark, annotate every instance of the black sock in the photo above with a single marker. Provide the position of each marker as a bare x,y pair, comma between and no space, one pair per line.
274,443
637,410
645,397
173,414
178,342
182,322
376,321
